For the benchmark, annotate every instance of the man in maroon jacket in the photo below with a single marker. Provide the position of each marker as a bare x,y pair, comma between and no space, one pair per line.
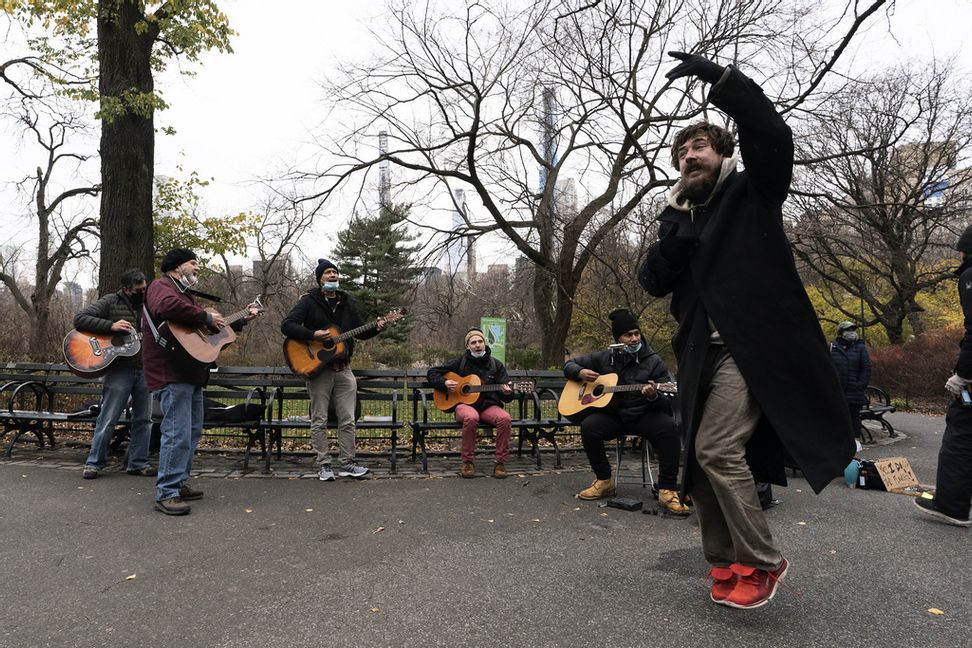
175,377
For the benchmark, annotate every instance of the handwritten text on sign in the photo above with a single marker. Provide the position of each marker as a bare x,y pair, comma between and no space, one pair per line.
896,473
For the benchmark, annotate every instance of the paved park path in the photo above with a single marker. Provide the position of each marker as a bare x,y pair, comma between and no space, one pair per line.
441,561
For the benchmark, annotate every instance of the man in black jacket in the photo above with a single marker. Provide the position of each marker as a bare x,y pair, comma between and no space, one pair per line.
754,375
642,412
478,360
953,481
120,312
310,319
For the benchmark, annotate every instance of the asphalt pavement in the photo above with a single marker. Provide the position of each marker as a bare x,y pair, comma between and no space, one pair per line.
442,561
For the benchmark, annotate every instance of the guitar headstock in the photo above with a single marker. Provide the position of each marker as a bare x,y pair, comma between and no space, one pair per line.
394,315
257,304
524,387
667,388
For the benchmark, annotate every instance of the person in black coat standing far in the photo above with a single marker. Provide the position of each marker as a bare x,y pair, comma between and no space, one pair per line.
755,381
853,365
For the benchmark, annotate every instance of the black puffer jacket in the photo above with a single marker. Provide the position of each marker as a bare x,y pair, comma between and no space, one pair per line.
632,369
97,317
312,312
490,371
853,365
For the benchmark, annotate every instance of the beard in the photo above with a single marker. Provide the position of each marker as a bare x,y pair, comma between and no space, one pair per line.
698,189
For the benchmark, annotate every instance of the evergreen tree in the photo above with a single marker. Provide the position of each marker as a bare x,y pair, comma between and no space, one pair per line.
377,260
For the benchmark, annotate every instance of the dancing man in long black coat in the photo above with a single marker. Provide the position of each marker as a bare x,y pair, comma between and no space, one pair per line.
754,375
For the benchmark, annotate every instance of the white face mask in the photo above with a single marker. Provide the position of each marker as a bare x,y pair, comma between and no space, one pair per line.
849,336
478,354
632,349
330,286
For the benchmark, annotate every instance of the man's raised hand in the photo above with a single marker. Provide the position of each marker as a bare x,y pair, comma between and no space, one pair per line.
694,65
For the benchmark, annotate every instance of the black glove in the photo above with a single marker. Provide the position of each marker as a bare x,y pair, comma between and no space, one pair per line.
677,249
693,65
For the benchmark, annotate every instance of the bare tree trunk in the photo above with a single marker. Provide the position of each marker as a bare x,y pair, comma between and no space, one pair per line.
127,141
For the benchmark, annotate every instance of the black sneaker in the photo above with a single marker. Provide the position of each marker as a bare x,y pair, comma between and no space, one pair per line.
90,472
928,506
145,471
187,493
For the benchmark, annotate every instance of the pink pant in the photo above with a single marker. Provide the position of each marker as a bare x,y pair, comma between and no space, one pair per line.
493,415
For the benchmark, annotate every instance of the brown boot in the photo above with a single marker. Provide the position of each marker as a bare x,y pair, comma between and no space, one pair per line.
669,500
600,489
499,470
172,506
468,470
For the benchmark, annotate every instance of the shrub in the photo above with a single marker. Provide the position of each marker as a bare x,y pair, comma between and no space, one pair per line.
918,368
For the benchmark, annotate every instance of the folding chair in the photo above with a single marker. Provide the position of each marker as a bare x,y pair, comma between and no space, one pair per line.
647,479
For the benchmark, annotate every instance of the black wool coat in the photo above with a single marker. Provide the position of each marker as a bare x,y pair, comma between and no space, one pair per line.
743,278
963,367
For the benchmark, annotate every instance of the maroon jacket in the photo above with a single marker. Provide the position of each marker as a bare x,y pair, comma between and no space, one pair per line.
164,366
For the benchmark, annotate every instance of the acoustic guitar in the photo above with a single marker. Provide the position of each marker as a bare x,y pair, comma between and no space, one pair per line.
89,354
580,395
307,358
202,342
470,389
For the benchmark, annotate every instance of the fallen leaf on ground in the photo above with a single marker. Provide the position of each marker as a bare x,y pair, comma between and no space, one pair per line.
833,551
935,611
374,610
535,520
308,510
379,530
801,524
604,515
247,510
401,521
490,521
132,577
576,508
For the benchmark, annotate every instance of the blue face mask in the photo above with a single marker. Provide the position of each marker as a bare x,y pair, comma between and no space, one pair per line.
330,286
478,354
632,349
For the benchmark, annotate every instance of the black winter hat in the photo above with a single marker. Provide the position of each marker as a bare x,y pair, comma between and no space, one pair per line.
322,265
176,257
622,321
964,243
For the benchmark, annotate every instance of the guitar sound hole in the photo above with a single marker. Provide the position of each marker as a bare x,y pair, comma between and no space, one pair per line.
597,391
464,390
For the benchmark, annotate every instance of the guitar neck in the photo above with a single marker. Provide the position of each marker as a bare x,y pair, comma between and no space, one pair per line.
664,388
478,389
232,318
361,329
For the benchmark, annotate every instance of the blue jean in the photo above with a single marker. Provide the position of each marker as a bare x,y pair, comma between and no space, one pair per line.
182,424
118,384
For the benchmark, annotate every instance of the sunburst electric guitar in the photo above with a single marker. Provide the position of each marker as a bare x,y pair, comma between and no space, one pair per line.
307,358
580,397
470,388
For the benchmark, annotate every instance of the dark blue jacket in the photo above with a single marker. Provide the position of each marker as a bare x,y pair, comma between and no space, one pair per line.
638,369
853,366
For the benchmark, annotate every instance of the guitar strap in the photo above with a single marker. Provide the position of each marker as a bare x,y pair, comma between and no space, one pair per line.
161,341
491,367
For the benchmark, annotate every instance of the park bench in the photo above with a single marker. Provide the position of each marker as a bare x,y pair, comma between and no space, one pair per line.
878,404
376,409
534,415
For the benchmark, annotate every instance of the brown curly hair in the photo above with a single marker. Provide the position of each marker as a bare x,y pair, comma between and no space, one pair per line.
721,139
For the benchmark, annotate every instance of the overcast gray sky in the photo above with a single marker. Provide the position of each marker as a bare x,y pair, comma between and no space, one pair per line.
245,115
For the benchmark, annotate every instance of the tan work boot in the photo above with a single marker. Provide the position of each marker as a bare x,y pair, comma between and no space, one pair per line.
499,470
468,470
669,500
600,489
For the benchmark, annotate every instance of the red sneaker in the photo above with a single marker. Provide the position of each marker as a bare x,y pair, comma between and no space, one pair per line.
754,587
723,582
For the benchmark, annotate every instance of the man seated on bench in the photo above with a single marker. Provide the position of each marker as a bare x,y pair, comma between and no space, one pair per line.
634,412
489,406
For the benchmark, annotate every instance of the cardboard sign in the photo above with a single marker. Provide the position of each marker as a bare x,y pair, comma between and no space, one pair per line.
896,473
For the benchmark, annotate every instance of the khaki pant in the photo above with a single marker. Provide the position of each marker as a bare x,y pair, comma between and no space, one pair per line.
343,388
732,523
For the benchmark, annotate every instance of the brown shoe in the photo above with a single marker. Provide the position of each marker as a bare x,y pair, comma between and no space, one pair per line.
600,489
187,493
468,470
172,506
499,470
669,500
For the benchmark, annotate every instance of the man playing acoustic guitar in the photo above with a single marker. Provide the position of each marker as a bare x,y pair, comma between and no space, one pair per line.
119,313
311,318
177,377
489,408
640,412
